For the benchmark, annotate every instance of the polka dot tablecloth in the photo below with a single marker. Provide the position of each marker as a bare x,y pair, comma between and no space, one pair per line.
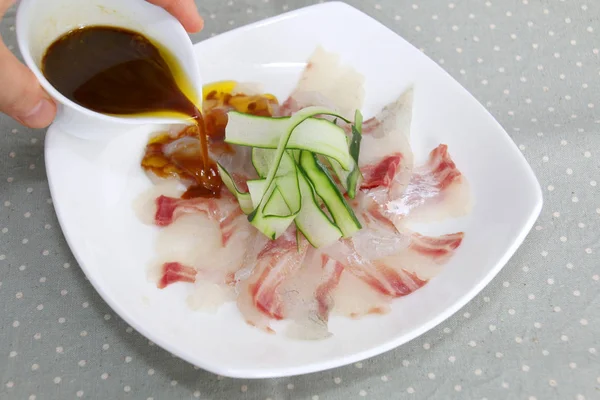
533,333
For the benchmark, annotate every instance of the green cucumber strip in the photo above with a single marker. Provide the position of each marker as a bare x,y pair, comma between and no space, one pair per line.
242,198
289,188
286,179
350,179
276,205
270,225
355,175
323,183
256,189
311,220
312,134
262,159
284,138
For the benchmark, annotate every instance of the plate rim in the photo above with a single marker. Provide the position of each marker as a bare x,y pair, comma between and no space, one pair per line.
245,373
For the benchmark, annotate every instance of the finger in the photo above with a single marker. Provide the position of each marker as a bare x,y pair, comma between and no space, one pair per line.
21,95
5,5
185,11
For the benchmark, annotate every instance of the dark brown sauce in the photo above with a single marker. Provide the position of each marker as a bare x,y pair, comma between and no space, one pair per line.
218,101
120,72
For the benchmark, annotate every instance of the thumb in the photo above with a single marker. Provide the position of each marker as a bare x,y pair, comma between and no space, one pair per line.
21,95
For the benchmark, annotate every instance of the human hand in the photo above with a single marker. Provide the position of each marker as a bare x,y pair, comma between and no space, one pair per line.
21,95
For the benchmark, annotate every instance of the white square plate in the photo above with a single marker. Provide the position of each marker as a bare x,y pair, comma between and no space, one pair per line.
94,184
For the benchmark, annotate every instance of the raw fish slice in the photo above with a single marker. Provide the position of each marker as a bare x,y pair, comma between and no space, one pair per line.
354,298
225,211
238,162
402,273
173,272
307,296
259,297
436,190
425,256
386,158
325,82
388,132
393,262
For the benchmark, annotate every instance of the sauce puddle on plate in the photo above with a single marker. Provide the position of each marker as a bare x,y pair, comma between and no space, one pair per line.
120,72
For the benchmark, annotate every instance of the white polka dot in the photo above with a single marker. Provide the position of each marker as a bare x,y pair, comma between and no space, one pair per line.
410,390
537,325
57,380
583,321
337,380
467,315
531,296
79,393
384,378
458,388
563,239
472,343
16,324
478,372
550,281
589,250
451,359
431,375
35,367
10,384
519,339
552,382
525,368
127,389
197,394
545,352
362,393
592,350
499,355
426,346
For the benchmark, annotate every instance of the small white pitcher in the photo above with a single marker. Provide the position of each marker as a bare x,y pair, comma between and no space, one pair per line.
41,22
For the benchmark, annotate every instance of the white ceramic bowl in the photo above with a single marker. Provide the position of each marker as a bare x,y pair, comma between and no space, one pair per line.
93,188
40,22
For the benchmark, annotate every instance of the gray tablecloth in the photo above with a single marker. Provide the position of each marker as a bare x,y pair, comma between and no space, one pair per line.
533,333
